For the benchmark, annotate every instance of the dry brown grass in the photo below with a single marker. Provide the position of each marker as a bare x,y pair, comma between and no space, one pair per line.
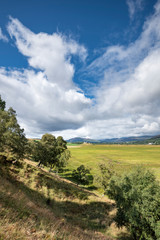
37,205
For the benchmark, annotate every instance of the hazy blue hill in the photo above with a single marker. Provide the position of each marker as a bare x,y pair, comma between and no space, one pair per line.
152,140
82,140
113,140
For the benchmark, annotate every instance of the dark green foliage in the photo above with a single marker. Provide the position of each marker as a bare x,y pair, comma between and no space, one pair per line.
38,152
62,153
62,160
12,137
2,104
137,196
106,172
82,175
51,152
49,140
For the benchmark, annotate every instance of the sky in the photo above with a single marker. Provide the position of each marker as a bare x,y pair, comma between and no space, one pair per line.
82,68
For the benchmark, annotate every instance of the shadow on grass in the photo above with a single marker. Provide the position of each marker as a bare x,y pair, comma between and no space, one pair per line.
64,170
72,179
69,177
90,216
91,188
124,236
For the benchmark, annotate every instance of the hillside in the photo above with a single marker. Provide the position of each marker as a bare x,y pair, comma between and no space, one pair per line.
38,205
152,140
81,140
122,140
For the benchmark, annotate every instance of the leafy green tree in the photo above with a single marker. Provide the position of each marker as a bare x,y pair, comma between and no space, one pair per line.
106,172
12,137
48,142
62,160
39,152
62,153
51,152
49,139
82,175
2,104
137,197
61,144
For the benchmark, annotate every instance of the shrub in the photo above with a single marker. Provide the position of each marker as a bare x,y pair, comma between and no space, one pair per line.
82,175
106,172
137,197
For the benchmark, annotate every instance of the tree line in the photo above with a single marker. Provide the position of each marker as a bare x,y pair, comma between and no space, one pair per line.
49,150
12,138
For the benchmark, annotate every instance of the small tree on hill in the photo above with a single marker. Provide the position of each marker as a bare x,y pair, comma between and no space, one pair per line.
81,174
51,152
106,172
39,152
62,153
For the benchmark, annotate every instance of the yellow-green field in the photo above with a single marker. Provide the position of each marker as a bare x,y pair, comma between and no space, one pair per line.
123,157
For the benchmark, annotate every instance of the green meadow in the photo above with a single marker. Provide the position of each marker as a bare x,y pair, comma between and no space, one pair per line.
121,157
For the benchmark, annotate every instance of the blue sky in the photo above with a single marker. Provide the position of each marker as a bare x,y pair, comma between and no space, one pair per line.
82,68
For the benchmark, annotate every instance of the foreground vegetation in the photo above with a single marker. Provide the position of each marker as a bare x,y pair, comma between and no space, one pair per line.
39,205
137,197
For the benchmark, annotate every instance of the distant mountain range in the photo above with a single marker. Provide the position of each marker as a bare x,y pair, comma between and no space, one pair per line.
140,139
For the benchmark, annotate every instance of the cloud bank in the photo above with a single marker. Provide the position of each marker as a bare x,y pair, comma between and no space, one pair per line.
126,99
128,95
44,96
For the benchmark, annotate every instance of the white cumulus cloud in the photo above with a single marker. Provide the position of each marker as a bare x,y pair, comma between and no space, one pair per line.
45,97
128,95
126,99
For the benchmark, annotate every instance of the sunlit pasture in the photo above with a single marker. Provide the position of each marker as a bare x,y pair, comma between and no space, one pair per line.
122,157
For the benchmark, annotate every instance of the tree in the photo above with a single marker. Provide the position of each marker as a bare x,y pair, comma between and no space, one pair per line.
137,197
51,152
2,104
62,160
62,153
39,152
12,137
106,172
81,174
49,139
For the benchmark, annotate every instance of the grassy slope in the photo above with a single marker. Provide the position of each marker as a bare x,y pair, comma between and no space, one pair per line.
123,157
37,205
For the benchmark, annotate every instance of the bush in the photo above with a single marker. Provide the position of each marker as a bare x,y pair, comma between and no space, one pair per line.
106,172
137,197
82,175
